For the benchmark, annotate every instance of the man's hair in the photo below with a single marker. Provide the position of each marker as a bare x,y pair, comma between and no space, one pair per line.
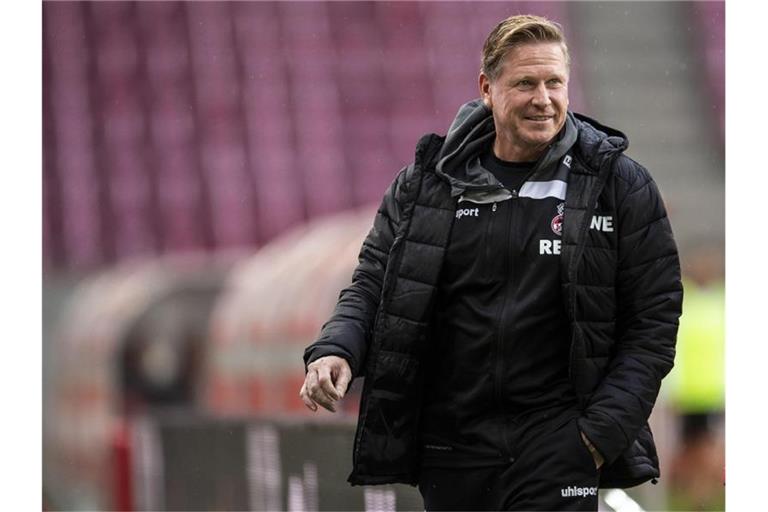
515,31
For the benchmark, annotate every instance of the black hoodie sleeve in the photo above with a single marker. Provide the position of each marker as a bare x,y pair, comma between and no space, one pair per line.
348,332
649,298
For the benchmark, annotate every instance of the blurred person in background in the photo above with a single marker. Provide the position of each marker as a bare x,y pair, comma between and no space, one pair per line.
516,302
697,388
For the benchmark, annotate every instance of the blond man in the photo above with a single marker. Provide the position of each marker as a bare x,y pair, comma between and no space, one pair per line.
516,302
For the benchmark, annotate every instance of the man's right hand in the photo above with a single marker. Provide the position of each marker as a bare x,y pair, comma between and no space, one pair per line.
326,382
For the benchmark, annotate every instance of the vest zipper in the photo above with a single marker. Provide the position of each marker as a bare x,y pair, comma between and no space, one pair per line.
499,375
488,256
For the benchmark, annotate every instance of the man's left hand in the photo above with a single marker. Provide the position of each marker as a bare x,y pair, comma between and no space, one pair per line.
599,460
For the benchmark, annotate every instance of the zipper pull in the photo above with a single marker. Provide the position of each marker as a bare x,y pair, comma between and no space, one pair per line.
494,207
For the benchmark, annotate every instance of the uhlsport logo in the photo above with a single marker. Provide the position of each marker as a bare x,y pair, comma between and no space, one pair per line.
572,491
557,221
467,212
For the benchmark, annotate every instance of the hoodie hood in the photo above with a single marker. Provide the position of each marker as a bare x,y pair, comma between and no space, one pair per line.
597,141
473,128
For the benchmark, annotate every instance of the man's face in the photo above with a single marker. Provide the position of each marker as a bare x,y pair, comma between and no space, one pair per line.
529,98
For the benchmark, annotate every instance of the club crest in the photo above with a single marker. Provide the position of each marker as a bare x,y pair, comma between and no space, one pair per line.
557,221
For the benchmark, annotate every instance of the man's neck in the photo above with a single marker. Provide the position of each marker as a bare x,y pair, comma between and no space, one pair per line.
511,152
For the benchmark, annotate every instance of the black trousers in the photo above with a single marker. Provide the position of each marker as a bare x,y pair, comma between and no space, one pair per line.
554,471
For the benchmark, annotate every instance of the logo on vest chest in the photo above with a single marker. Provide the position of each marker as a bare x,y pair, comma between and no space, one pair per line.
467,212
557,220
602,223
550,246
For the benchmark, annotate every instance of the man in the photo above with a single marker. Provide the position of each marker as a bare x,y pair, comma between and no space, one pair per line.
516,302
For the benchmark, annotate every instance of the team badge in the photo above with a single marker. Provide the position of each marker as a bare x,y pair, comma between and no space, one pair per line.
557,221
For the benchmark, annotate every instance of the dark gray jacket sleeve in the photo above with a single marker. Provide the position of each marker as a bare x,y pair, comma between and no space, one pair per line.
348,332
649,297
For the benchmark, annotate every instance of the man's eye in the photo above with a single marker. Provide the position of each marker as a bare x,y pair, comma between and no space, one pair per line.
554,81
524,83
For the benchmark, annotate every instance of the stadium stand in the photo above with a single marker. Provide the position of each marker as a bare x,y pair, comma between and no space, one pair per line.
178,126
709,39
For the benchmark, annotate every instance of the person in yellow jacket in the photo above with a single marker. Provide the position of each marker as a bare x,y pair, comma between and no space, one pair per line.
697,392
698,380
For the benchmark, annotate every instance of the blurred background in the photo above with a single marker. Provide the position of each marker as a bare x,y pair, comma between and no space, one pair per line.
209,172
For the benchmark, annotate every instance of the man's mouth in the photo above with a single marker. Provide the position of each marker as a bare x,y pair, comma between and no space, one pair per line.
538,118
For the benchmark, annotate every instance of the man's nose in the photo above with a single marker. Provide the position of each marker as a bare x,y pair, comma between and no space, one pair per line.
541,96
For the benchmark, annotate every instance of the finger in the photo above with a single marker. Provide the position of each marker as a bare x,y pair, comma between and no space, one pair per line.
326,382
342,382
307,401
323,400
316,393
305,398
326,404
311,383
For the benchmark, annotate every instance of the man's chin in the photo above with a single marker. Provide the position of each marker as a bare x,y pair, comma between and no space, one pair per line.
539,138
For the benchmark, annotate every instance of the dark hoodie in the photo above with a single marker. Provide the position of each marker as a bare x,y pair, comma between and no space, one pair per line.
501,335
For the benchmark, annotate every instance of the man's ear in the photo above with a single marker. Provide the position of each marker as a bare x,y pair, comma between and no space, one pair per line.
484,84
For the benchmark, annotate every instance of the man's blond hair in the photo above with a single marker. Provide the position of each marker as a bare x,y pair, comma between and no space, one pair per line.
515,31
